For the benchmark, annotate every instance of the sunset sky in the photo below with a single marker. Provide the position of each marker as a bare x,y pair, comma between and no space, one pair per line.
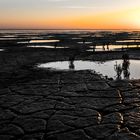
70,14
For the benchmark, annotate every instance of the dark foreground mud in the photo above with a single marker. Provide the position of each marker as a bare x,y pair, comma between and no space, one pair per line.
38,104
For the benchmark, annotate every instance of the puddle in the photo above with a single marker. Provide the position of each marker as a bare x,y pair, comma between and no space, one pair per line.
105,68
111,47
43,41
22,42
96,50
49,47
4,39
76,38
106,48
84,42
128,41
81,36
8,35
1,50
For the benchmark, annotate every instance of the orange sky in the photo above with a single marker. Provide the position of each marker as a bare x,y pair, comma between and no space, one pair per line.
74,18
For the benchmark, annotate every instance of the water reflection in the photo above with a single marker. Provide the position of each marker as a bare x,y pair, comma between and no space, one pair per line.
1,50
111,47
128,69
118,69
46,46
84,42
43,41
127,41
123,68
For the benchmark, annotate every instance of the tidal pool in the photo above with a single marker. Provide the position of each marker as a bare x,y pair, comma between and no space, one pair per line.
105,68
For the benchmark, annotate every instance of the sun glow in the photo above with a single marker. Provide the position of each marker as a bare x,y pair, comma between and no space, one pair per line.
60,16
134,18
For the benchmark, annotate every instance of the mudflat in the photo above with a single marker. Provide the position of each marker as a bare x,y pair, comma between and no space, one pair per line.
45,104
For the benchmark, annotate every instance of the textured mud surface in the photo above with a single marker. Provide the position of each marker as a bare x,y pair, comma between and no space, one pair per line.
54,105
70,105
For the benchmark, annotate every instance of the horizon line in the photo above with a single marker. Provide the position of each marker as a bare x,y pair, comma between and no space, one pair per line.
60,29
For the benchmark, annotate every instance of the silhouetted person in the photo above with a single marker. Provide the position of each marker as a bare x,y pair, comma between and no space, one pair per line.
55,44
84,41
125,66
103,47
122,48
94,47
107,47
71,65
71,62
125,57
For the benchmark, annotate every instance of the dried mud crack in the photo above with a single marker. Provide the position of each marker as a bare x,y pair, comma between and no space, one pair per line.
83,109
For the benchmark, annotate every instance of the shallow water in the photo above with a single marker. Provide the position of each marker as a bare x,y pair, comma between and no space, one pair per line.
22,42
4,39
84,42
1,50
43,41
128,41
76,38
9,36
111,47
104,68
46,46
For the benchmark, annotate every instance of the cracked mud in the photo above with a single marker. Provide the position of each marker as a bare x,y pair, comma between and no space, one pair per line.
89,108
70,105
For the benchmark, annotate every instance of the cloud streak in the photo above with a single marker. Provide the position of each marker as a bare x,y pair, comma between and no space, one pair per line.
57,0
77,7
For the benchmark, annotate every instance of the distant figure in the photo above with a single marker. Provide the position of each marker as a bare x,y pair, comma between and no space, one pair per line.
125,64
55,44
122,48
107,47
71,62
94,47
84,41
127,45
125,57
103,47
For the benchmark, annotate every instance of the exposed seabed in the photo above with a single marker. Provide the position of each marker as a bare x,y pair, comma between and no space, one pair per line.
45,104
